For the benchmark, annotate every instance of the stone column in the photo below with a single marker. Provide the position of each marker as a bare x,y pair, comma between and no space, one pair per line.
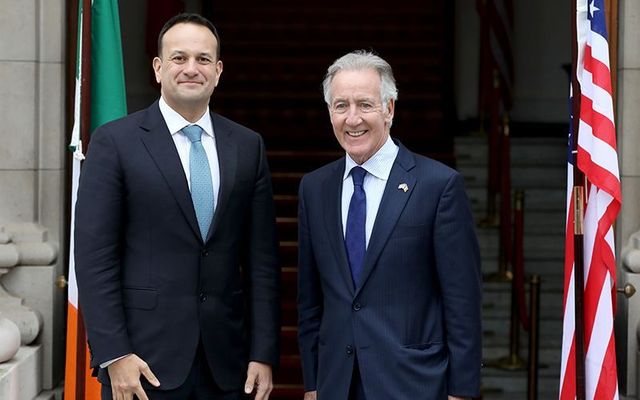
628,318
33,137
628,127
29,296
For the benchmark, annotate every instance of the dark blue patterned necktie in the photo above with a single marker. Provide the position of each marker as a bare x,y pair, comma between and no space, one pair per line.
354,238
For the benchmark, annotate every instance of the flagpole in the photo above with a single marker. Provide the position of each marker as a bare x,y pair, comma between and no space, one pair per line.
85,123
578,235
85,91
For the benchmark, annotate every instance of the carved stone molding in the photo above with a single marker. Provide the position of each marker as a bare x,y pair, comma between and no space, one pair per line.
631,254
26,245
26,319
23,244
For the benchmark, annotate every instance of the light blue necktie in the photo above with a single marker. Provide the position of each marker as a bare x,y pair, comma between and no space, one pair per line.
355,236
200,179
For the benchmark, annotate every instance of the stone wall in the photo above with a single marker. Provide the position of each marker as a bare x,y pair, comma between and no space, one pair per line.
32,166
32,154
628,126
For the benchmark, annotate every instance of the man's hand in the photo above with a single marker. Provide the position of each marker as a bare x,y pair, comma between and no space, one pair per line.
259,376
457,398
311,395
125,378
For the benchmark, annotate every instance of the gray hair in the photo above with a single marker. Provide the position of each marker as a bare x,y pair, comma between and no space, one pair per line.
359,60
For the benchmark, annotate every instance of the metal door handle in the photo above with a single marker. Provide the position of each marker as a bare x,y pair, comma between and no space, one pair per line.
628,290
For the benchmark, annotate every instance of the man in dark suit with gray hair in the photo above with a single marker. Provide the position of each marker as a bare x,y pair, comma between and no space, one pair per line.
389,293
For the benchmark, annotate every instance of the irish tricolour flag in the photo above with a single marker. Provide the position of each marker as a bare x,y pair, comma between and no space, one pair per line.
99,98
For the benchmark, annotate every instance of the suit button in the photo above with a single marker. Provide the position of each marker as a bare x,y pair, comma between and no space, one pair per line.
357,307
205,253
203,297
349,350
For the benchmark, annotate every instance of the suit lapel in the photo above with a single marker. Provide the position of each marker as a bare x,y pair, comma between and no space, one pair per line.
333,220
162,149
227,160
393,201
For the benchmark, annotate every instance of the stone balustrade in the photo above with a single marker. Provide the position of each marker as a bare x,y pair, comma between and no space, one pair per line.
630,308
631,254
23,244
28,298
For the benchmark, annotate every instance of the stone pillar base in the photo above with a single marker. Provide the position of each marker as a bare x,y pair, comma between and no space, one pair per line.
21,377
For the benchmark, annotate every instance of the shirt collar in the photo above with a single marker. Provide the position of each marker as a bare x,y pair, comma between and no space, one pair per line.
379,165
175,122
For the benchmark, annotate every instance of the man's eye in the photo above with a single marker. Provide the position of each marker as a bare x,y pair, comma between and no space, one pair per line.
366,106
178,59
340,107
204,60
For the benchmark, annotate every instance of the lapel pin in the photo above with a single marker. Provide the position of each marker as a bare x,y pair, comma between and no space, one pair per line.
404,187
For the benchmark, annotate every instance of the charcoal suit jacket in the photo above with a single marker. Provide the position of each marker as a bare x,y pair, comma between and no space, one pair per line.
148,282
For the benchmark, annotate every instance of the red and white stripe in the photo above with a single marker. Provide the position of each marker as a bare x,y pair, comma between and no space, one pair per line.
597,159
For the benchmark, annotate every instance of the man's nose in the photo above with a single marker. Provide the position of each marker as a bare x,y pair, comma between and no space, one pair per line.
353,115
190,67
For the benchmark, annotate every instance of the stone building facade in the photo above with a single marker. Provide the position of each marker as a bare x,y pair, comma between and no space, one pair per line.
34,175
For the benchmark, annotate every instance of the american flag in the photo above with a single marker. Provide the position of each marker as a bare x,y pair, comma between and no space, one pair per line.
597,159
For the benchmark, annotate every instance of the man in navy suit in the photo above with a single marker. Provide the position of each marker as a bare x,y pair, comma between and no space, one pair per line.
175,240
389,291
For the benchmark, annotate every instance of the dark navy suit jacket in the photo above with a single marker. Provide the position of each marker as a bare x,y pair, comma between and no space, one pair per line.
148,282
414,321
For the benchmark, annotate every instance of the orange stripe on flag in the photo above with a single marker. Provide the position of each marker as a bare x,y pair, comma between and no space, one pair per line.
70,381
91,384
78,384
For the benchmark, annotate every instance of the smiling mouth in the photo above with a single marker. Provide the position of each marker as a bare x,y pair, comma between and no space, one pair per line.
356,133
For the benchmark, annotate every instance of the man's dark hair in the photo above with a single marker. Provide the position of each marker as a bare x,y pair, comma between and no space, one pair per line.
188,18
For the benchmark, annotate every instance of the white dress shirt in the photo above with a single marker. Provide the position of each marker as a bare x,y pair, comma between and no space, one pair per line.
175,122
378,168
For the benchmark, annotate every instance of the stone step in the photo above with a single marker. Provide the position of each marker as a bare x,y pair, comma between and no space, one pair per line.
549,283
535,246
536,199
539,167
498,304
523,151
546,222
512,385
535,221
496,333
532,265
549,359
522,177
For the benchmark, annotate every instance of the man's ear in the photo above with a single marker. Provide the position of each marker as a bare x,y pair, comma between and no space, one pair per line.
219,68
156,64
390,109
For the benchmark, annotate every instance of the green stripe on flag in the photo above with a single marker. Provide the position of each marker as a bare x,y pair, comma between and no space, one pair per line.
108,93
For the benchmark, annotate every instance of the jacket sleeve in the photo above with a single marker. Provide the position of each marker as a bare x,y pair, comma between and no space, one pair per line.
264,271
309,298
458,265
97,249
